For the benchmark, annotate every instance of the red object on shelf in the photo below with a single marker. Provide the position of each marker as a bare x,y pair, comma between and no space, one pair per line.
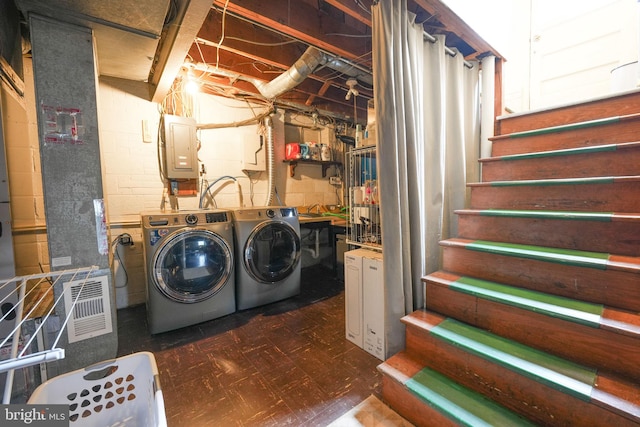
292,151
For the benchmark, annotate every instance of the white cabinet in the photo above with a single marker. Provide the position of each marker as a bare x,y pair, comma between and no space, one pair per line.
373,304
364,301
353,296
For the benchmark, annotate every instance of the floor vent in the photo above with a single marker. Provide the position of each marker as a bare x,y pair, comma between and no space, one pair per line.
91,315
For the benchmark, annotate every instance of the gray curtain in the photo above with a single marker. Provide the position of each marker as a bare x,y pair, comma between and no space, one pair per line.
427,120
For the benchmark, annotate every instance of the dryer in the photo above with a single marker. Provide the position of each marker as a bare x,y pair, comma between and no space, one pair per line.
189,267
268,255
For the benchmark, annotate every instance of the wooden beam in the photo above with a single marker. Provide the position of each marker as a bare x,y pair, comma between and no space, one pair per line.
453,23
305,23
349,7
321,92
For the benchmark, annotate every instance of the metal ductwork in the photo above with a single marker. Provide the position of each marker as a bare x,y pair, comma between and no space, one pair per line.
350,70
295,75
286,81
299,71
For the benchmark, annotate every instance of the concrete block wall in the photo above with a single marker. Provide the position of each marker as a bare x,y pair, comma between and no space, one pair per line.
25,179
132,178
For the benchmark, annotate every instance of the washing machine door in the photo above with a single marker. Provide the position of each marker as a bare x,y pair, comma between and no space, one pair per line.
192,265
272,251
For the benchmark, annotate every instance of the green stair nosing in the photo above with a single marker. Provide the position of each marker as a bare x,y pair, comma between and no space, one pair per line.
587,216
554,182
462,405
571,257
545,368
580,312
561,128
565,152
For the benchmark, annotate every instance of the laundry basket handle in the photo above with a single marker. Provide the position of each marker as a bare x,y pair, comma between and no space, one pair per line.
100,370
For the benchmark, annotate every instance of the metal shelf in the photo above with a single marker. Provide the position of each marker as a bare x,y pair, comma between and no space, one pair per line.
364,208
325,165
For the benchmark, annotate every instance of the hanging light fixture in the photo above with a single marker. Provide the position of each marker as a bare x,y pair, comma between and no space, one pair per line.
191,85
352,90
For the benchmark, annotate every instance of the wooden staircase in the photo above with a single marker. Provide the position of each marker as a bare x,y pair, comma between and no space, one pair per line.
534,318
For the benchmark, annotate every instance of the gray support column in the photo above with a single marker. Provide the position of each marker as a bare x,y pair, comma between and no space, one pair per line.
65,88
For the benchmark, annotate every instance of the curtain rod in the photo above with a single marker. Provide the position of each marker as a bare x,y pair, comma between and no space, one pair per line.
447,50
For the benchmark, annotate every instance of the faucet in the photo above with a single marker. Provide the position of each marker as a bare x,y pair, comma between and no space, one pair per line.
317,206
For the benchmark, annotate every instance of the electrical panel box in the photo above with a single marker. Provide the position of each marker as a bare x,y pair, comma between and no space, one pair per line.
181,149
254,149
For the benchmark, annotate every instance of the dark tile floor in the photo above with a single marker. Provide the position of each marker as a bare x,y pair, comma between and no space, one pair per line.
286,363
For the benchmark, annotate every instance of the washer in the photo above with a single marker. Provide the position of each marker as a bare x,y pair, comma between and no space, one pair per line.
268,254
189,266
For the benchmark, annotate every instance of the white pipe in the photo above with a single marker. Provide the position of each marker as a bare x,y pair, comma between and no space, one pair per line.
315,253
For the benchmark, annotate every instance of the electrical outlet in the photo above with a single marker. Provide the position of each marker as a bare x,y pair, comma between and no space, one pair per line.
335,180
125,240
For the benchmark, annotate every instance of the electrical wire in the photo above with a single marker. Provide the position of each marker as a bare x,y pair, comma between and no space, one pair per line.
224,17
211,185
116,254
260,43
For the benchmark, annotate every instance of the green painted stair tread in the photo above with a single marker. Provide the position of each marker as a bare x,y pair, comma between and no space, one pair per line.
545,368
572,310
551,182
464,406
556,153
567,127
572,257
568,215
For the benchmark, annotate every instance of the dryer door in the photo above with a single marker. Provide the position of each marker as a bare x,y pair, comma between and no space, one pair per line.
192,265
272,251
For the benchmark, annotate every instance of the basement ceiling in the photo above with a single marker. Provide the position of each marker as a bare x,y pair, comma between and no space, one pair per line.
233,47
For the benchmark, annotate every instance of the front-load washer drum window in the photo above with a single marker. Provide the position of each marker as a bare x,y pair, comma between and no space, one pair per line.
272,252
192,265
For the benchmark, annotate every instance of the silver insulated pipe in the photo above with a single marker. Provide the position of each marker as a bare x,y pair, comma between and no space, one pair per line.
295,75
271,167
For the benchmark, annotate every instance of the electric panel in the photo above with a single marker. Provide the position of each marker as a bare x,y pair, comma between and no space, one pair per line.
181,151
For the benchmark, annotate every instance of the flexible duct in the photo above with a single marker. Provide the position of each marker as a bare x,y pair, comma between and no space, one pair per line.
286,81
271,181
295,75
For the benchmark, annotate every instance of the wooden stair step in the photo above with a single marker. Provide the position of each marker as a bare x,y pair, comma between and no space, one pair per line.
588,333
607,106
456,403
588,259
589,276
596,231
599,160
613,130
619,194
545,388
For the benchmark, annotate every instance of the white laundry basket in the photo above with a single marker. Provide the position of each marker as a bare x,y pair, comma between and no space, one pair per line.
121,392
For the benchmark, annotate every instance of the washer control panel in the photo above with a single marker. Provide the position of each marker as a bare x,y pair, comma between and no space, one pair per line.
176,219
191,219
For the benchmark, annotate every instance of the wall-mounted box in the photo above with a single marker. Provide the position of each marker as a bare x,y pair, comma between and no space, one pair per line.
181,149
